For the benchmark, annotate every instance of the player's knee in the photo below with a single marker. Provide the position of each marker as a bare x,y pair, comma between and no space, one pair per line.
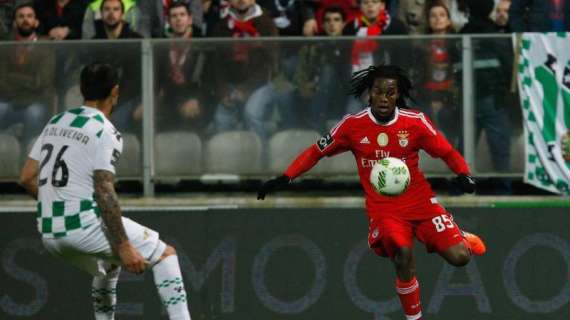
403,259
169,251
460,258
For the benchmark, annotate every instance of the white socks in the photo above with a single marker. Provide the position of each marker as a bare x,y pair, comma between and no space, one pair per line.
104,295
168,281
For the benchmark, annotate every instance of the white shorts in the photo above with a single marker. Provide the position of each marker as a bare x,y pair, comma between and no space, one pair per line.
90,250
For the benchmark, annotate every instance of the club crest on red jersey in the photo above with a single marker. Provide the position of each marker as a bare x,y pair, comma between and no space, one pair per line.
403,138
382,139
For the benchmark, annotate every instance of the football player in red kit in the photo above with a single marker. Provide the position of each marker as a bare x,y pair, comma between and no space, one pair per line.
386,128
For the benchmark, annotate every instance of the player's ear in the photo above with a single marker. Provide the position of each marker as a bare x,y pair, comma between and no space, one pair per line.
115,94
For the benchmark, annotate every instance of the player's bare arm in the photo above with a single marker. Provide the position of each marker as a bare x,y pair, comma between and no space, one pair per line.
108,202
29,177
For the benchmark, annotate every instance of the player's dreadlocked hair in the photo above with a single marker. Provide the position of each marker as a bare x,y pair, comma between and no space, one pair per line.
363,80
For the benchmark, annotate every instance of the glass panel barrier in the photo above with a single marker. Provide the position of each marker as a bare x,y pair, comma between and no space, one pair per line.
38,80
249,107
498,121
246,108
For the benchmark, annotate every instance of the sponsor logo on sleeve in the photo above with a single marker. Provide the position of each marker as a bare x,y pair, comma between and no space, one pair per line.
325,141
115,157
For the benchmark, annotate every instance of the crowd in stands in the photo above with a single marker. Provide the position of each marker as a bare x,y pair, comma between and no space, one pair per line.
243,84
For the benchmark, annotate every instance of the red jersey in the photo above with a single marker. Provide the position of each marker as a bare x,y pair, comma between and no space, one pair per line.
402,137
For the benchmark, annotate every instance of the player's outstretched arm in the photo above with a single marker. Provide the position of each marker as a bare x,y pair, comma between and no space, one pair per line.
303,163
29,177
457,164
108,203
272,185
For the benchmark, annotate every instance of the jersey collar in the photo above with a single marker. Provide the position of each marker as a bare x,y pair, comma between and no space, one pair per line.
391,122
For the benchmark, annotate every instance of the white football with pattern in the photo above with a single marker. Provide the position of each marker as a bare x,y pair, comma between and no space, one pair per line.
390,176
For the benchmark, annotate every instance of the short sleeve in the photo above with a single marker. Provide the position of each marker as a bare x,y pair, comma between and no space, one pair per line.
108,152
35,153
336,141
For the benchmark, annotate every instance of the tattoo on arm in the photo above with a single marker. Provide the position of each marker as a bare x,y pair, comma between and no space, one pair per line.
108,203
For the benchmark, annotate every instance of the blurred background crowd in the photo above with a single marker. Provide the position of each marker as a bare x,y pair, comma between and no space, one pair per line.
264,87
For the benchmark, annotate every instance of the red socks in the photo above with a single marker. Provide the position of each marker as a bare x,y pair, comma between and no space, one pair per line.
409,293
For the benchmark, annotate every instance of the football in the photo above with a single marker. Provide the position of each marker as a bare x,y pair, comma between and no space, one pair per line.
390,176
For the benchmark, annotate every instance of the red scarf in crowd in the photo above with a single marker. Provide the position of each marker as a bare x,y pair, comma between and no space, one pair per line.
243,28
363,49
439,67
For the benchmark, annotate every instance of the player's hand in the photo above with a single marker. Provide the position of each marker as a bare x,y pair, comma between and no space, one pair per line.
272,185
465,183
131,259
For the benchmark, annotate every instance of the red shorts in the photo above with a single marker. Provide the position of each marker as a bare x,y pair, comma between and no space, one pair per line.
388,233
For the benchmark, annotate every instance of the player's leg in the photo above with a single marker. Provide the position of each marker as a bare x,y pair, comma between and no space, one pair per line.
104,293
440,234
392,237
165,268
457,255
407,285
79,249
168,281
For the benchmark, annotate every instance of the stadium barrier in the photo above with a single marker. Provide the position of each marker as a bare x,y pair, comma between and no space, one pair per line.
311,263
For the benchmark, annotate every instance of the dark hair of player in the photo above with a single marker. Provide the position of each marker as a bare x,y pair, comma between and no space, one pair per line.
363,80
97,81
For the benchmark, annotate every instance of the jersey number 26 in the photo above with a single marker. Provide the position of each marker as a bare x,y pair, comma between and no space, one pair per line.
59,164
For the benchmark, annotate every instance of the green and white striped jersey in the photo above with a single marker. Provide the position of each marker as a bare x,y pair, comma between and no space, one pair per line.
73,144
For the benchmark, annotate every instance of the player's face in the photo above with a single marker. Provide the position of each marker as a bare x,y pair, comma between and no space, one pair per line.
25,21
383,96
112,13
179,20
371,8
333,24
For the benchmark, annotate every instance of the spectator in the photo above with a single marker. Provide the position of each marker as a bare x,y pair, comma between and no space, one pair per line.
314,23
492,76
155,14
26,76
412,12
319,73
539,16
438,85
212,11
289,16
128,115
112,25
132,14
180,73
6,15
373,20
61,19
239,71
502,16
